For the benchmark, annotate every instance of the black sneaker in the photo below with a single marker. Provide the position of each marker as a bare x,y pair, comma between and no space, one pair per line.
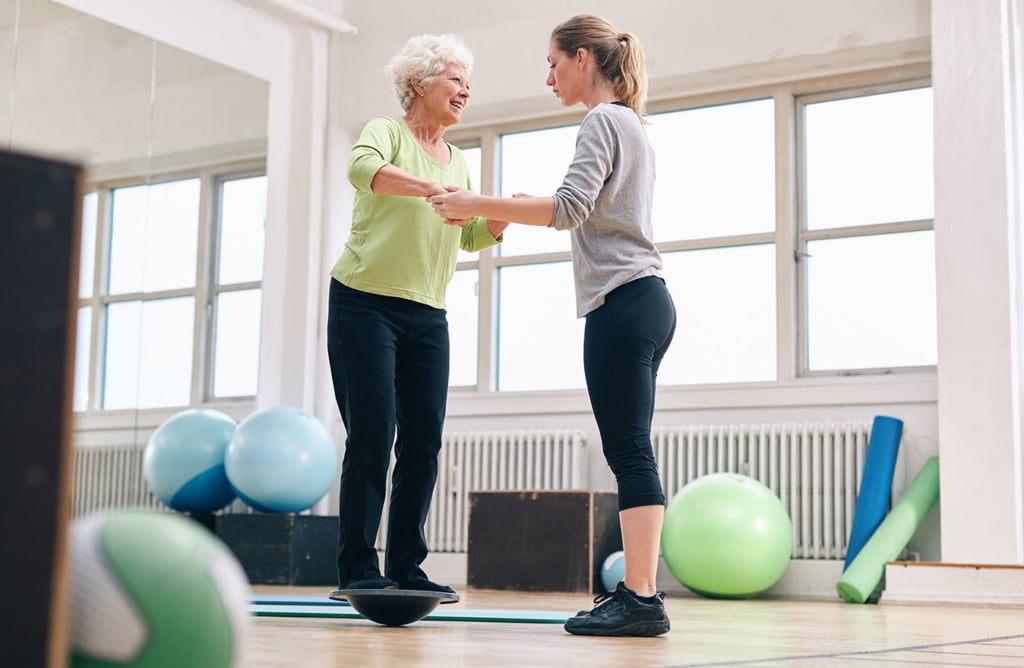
622,613
423,584
371,582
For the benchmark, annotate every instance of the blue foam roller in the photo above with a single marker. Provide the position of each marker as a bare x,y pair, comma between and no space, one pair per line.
875,483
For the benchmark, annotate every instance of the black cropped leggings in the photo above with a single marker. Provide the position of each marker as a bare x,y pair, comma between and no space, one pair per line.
624,342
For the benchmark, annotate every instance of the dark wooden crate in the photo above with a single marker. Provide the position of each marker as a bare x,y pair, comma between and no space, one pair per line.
283,549
541,540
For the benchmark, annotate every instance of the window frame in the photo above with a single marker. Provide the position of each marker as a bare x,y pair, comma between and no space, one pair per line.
204,292
805,236
789,236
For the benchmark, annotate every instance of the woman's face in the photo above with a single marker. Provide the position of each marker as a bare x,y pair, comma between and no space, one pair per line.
565,74
447,95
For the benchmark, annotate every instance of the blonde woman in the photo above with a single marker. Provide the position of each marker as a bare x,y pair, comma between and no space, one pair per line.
605,201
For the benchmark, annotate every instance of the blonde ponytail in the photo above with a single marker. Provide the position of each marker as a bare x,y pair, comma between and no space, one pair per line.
619,56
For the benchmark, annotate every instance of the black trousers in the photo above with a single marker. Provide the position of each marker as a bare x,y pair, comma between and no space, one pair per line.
389,362
624,342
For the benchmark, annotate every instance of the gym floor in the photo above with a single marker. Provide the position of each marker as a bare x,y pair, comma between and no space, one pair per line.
757,632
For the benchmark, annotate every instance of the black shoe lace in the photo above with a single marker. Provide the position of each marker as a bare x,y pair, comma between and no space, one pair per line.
601,598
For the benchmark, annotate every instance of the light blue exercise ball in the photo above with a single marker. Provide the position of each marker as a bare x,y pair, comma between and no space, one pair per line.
281,460
613,570
183,462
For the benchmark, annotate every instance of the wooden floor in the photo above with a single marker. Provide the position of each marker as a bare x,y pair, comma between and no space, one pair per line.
705,632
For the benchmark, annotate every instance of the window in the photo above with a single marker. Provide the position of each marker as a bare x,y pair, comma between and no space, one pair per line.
539,337
237,294
725,302
716,171
810,257
714,219
540,340
867,239
534,163
153,298
463,298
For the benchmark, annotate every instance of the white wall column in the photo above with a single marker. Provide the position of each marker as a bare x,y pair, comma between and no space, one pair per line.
978,232
294,277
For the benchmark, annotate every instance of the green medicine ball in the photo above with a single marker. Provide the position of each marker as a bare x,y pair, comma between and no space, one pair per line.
153,589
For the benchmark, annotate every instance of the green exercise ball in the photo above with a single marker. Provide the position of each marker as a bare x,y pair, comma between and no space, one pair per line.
726,535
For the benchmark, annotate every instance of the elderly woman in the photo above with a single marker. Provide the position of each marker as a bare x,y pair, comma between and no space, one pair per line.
387,330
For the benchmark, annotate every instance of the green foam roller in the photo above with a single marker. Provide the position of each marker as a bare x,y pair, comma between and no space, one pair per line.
892,535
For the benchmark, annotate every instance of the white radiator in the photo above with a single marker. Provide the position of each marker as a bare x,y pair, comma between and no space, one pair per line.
496,460
109,477
814,469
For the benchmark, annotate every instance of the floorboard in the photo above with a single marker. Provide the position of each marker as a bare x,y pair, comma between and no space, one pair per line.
768,633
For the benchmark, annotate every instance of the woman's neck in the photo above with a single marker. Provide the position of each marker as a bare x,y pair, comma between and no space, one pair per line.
427,131
599,93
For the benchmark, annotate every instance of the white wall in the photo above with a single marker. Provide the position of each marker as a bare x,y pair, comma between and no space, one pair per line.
80,88
680,38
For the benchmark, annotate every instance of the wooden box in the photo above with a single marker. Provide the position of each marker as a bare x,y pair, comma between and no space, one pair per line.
283,549
541,540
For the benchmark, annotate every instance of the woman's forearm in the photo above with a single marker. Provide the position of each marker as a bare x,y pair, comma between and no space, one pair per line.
457,204
390,180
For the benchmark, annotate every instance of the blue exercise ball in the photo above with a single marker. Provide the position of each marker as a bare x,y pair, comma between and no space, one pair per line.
183,462
281,460
726,535
613,570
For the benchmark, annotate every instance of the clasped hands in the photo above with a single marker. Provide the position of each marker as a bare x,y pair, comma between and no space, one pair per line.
453,205
457,205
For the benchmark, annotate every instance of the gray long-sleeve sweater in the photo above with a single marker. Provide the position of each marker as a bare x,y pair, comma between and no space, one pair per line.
606,199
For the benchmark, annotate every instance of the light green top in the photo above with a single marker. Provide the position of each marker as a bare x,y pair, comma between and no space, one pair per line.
398,246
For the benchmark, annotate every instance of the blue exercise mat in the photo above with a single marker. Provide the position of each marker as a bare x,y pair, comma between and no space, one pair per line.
275,599
875,483
442,614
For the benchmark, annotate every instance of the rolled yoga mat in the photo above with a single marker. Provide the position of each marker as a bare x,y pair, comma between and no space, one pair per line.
891,536
875,483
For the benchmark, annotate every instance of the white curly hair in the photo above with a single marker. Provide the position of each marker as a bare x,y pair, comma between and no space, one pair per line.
421,59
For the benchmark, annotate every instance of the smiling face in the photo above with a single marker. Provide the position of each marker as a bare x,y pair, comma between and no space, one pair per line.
565,74
447,95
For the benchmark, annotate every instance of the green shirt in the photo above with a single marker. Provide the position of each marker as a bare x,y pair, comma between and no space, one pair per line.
398,246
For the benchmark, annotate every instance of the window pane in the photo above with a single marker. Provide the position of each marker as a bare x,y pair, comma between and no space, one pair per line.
871,302
540,339
153,240
148,354
473,158
725,302
236,348
463,310
243,215
83,345
535,163
90,210
716,171
869,159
